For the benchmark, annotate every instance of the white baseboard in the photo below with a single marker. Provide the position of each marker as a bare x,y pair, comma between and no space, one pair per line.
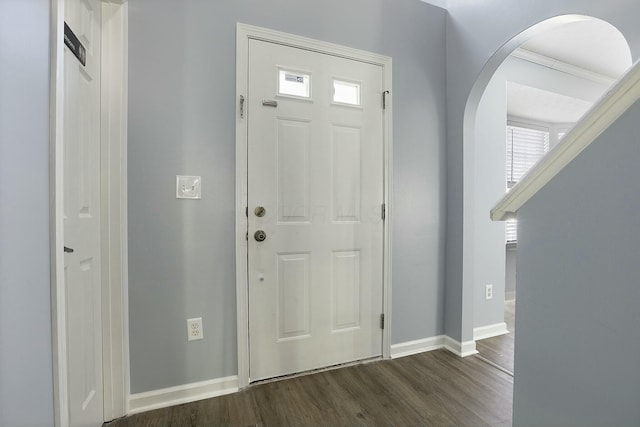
490,331
408,348
418,346
464,349
165,397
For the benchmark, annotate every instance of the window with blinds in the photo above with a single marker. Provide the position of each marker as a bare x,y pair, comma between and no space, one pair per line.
525,147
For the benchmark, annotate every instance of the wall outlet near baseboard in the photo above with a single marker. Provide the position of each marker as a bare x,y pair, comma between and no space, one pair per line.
194,329
488,291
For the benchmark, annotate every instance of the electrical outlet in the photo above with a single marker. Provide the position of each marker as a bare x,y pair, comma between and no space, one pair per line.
194,329
488,291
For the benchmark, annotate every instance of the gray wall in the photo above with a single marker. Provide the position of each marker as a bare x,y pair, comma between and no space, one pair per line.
181,121
510,273
578,322
488,186
488,183
475,30
26,390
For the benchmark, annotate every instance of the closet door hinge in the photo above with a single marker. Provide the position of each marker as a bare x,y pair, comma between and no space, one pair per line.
382,321
383,211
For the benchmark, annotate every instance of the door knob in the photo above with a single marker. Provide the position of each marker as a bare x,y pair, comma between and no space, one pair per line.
260,211
68,250
259,236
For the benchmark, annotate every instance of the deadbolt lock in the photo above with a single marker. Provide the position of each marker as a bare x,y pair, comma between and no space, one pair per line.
260,211
259,236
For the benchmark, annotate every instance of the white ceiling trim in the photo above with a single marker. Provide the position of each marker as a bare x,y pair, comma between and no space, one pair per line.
561,66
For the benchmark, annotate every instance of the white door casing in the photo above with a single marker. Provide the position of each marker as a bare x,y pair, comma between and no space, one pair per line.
102,28
81,224
321,170
115,356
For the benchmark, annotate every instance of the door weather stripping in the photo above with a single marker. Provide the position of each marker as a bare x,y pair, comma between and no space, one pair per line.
241,106
384,98
383,211
382,321
269,103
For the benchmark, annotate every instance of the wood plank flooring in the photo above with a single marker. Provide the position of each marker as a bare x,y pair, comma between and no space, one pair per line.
499,350
428,389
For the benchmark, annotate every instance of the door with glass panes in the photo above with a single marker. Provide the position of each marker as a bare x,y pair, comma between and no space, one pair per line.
315,194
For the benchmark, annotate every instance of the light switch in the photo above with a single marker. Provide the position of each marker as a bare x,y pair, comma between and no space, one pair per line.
188,187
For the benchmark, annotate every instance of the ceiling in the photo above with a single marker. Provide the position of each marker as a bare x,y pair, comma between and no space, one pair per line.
543,106
593,45
593,48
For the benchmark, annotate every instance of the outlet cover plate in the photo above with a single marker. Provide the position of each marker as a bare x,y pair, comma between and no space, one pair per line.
194,329
488,291
188,187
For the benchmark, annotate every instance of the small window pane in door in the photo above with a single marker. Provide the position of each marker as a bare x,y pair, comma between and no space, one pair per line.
294,83
346,92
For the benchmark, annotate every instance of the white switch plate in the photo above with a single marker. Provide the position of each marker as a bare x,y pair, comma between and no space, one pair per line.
188,187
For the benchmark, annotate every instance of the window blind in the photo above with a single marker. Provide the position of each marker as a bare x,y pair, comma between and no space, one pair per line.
525,147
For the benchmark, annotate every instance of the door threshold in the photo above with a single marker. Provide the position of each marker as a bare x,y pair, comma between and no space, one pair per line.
316,371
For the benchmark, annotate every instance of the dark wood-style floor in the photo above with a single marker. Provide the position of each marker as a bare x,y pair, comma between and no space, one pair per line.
499,350
427,389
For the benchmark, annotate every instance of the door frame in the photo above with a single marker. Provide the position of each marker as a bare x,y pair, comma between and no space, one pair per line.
113,209
244,33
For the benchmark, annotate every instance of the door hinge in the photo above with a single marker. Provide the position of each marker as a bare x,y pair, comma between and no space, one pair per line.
246,211
382,321
384,99
241,106
383,211
246,236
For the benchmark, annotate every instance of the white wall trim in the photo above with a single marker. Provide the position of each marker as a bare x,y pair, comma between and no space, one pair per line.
178,395
56,216
409,348
115,324
467,348
604,113
242,292
243,34
490,331
418,346
564,67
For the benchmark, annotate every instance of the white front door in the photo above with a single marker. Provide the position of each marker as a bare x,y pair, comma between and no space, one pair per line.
315,188
81,195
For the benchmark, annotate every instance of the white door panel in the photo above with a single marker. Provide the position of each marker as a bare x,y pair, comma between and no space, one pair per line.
81,196
316,166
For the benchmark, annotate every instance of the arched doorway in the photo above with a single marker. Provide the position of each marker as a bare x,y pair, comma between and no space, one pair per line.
567,51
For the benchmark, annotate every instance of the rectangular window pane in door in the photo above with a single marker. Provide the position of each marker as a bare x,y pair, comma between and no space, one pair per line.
294,83
346,92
